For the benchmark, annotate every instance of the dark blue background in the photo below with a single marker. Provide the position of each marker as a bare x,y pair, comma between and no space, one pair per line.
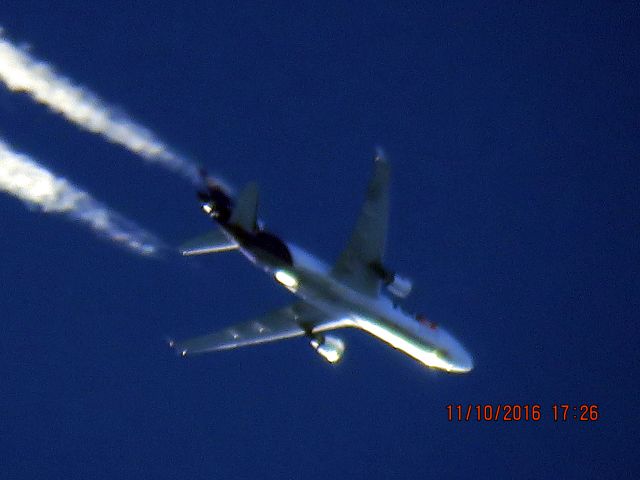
513,135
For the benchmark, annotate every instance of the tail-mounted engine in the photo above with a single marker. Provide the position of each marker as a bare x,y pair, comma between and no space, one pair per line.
397,285
215,199
330,348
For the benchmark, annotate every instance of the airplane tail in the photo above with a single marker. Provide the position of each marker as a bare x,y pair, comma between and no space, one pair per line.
245,212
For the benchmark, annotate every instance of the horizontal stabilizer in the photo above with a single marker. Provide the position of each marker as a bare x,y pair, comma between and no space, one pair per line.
213,242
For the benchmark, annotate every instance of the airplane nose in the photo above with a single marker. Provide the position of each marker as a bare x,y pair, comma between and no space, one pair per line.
466,362
463,361
460,360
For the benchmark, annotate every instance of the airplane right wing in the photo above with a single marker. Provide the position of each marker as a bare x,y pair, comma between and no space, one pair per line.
291,321
357,264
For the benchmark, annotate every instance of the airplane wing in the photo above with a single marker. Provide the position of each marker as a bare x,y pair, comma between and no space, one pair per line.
366,245
291,321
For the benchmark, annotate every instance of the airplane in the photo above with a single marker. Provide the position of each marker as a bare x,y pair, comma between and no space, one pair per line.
347,294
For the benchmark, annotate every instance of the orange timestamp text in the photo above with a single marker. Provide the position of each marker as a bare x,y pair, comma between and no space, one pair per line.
515,412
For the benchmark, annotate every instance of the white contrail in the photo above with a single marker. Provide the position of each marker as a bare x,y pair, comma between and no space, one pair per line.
25,179
22,73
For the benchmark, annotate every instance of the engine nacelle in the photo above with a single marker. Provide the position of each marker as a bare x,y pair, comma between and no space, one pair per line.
400,286
397,285
330,348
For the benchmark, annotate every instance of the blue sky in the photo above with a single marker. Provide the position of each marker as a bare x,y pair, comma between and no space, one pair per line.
512,133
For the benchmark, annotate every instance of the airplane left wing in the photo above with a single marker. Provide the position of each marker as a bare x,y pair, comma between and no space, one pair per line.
291,321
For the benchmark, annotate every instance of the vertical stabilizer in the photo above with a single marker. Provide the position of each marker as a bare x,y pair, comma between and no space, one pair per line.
244,213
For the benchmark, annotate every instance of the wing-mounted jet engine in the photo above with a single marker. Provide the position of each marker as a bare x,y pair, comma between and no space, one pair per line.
397,285
329,347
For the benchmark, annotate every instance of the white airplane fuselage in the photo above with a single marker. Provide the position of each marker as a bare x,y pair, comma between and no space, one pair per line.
311,280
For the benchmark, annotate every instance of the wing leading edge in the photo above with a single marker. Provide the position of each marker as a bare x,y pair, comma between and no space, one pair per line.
356,264
288,322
